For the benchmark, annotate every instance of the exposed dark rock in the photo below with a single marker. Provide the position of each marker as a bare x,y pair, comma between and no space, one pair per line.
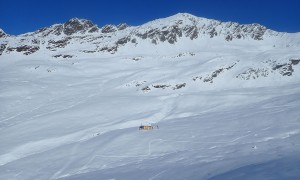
173,32
258,32
278,66
77,25
25,49
197,77
109,29
216,73
2,48
111,50
228,38
2,33
58,44
238,36
295,61
184,54
213,75
162,86
253,73
67,56
55,29
229,67
137,58
133,41
87,51
58,30
286,69
35,41
179,86
122,26
153,33
146,89
143,36
94,29
191,31
153,41
123,41
162,38
213,33
63,56
41,30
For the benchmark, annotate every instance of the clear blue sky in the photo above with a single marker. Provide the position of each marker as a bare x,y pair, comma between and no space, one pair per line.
21,16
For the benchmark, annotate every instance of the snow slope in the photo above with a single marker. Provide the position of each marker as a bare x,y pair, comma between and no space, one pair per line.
226,109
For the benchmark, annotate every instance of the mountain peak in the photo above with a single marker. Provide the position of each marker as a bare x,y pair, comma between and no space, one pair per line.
184,15
80,21
78,25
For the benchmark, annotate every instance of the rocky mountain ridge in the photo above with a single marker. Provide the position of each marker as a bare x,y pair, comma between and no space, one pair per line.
215,52
110,38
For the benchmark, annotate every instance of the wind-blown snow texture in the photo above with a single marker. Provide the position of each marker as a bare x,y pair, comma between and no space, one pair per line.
225,96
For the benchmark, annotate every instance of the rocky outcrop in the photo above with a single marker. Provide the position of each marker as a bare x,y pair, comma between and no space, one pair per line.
286,69
25,49
109,28
209,78
78,25
253,73
271,67
122,26
2,33
2,48
71,27
52,45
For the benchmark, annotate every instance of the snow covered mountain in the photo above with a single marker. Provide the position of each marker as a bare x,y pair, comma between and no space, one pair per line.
169,38
224,95
83,35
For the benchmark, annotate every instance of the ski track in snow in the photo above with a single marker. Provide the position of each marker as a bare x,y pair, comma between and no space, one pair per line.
68,163
157,175
48,144
172,141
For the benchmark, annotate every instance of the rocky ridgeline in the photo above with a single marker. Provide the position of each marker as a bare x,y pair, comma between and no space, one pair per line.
78,37
110,37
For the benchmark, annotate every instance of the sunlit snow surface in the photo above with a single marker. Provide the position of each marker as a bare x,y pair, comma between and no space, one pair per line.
79,118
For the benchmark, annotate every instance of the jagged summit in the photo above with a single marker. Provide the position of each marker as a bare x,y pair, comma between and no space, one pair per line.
76,25
72,26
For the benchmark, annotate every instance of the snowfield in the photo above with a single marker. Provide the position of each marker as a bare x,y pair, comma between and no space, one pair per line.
77,124
224,110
